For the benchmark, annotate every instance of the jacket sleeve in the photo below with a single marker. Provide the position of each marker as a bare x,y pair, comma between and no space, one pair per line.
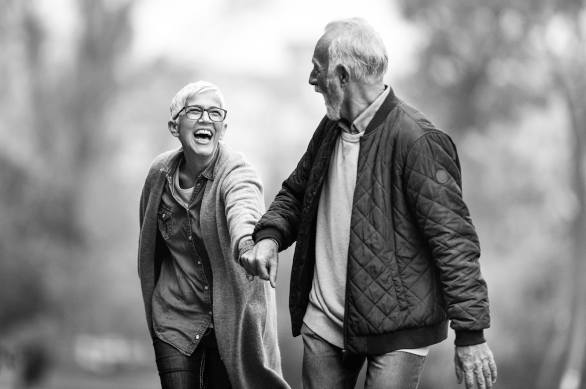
242,191
434,193
281,222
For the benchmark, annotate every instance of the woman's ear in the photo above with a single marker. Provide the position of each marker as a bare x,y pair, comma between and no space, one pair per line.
173,128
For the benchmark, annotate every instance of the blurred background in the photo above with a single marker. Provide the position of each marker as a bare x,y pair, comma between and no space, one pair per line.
84,93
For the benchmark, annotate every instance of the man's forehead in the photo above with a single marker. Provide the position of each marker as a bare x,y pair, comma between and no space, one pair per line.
320,54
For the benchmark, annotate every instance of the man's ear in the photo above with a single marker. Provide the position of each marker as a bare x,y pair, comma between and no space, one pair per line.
343,73
173,128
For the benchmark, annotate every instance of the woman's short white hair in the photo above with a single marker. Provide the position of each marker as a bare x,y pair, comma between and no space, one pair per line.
356,44
190,90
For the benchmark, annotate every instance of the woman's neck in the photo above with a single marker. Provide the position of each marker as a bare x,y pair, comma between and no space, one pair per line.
191,167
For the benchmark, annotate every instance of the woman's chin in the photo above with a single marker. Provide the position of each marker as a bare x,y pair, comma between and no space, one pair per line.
203,151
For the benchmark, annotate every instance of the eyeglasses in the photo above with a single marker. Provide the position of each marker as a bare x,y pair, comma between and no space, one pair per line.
195,112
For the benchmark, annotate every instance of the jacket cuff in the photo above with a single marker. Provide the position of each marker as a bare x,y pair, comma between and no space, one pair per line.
269,233
469,338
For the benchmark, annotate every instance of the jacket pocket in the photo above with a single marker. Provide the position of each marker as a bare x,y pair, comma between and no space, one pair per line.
165,220
398,282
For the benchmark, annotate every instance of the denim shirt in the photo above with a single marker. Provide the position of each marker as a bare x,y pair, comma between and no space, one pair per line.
182,300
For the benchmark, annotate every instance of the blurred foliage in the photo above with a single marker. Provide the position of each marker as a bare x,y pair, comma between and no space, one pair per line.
53,111
507,80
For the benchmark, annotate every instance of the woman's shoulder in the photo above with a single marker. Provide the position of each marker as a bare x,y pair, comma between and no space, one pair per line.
161,163
230,159
164,159
234,165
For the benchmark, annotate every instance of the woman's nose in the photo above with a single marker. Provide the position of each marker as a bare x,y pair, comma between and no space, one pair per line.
203,116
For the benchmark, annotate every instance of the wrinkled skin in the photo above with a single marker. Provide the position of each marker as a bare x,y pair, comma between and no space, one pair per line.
475,364
262,260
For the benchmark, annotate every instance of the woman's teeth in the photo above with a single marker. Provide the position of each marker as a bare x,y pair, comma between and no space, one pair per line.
203,136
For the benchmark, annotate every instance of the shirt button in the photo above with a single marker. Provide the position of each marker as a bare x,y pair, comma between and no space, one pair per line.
196,336
210,312
189,237
205,287
199,262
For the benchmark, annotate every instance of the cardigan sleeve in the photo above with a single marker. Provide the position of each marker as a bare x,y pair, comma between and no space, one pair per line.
242,191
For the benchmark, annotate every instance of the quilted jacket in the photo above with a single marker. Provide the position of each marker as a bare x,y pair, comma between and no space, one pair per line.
413,251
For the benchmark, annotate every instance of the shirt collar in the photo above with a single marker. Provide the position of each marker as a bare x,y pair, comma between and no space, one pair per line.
362,121
174,162
209,170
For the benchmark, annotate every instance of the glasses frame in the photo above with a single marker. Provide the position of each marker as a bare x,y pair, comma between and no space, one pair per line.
202,111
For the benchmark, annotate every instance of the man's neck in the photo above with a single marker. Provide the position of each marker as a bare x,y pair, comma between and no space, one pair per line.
360,97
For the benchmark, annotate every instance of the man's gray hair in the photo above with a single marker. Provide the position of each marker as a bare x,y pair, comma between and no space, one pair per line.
190,90
356,44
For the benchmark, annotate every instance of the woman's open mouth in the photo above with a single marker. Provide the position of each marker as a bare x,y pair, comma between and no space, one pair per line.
203,136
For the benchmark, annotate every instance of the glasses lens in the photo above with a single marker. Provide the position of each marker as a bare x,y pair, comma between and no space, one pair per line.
194,113
216,114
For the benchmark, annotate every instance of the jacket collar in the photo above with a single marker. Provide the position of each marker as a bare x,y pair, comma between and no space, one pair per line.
390,102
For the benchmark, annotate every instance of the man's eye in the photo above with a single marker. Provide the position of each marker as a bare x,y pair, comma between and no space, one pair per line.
195,110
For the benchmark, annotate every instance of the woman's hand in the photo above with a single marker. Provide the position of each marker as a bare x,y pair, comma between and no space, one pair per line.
262,260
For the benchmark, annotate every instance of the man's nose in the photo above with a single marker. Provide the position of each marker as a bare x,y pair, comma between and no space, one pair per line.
312,78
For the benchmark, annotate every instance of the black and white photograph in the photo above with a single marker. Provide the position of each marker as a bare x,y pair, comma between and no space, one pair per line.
311,194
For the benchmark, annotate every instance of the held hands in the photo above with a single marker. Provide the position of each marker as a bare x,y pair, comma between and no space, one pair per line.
262,261
475,363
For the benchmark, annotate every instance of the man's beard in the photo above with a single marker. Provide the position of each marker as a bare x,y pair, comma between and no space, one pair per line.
333,98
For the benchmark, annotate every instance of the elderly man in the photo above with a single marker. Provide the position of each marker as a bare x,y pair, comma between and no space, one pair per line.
386,252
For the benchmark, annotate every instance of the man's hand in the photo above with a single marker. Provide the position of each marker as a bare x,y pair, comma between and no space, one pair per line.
262,260
475,363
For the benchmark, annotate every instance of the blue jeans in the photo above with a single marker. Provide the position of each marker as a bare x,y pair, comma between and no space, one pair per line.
324,367
202,369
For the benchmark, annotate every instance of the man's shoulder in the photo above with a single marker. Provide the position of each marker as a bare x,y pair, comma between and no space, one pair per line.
325,125
326,132
412,124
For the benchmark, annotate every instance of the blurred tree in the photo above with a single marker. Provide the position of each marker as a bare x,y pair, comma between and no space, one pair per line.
487,62
52,106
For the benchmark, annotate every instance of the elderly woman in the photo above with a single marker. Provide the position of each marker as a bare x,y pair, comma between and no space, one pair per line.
211,327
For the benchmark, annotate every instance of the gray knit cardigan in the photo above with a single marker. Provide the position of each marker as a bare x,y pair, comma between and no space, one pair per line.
245,315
